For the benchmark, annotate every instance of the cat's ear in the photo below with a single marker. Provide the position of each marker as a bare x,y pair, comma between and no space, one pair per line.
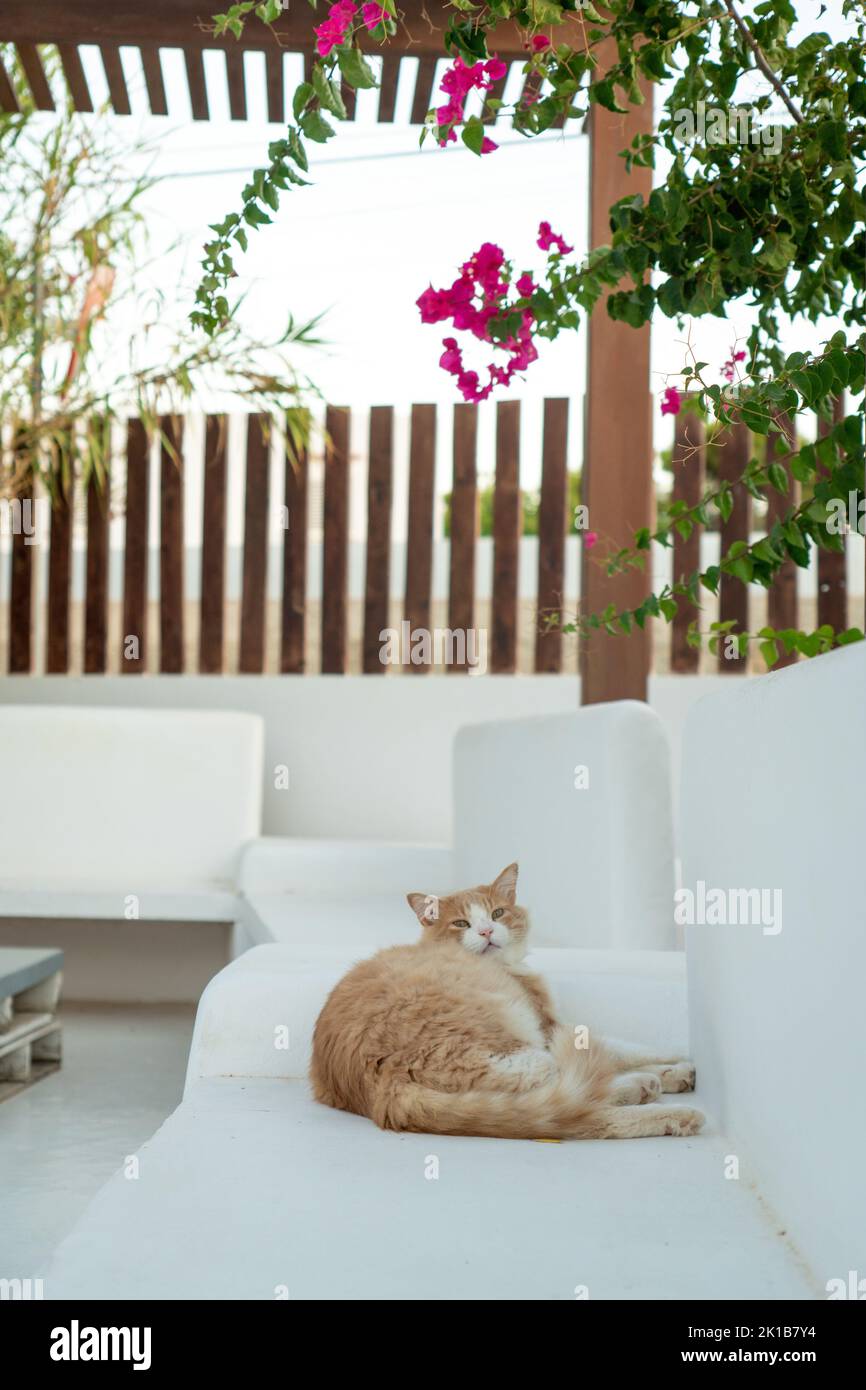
425,906
505,884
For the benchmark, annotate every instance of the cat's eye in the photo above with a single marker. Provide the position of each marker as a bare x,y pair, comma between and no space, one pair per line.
461,923
497,913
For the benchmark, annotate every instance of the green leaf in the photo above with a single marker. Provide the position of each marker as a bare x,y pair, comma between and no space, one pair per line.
355,68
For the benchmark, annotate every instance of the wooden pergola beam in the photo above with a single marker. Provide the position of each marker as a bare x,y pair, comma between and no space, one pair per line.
179,23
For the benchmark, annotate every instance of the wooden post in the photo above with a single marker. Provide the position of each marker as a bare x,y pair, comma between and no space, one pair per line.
213,548
507,516
733,455
782,594
617,486
171,548
551,534
832,578
336,542
688,486
253,596
378,561
133,639
419,542
464,527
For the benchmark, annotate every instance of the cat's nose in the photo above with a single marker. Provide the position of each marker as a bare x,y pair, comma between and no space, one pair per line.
485,931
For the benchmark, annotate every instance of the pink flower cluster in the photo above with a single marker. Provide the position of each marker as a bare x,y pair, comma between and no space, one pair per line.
671,401
729,371
340,18
550,240
478,295
459,80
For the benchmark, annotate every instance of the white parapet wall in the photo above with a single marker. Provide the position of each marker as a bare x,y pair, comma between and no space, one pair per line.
363,757
773,800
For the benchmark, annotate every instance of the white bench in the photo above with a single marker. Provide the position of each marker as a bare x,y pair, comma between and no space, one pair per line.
126,813
582,800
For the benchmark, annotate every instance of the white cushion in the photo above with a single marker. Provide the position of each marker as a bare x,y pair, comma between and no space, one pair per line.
126,798
596,864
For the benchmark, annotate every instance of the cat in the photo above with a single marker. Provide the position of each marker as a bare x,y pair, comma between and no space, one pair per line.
453,1035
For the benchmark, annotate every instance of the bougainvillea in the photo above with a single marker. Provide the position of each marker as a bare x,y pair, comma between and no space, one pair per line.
773,218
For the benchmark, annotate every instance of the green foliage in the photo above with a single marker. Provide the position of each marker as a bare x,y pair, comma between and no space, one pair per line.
751,208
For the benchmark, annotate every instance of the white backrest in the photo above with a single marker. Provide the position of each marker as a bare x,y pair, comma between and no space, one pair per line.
596,861
774,772
154,798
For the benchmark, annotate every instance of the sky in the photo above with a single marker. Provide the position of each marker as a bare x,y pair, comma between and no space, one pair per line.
382,221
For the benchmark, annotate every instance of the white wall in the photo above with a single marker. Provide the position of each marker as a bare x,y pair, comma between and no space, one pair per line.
367,756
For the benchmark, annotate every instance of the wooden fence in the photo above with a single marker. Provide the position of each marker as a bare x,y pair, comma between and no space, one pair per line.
416,586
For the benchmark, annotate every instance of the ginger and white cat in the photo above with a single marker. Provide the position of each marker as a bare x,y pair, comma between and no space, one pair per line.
453,1035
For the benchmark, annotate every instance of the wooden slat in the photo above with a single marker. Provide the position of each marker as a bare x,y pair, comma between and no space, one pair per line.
59,572
388,88
832,577
733,456
21,587
213,548
96,577
423,99
782,594
275,86
335,543
237,88
75,78
689,464
349,100
252,646
115,78
419,549
507,517
135,550
152,66
35,74
377,574
171,547
196,83
551,533
464,526
292,659
8,99
617,483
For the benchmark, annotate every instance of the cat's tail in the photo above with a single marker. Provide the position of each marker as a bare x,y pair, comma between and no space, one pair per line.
572,1105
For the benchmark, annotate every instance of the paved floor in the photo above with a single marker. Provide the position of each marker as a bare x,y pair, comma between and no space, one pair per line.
62,1138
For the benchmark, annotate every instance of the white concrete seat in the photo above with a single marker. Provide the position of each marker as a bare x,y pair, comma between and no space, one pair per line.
251,1190
120,806
582,800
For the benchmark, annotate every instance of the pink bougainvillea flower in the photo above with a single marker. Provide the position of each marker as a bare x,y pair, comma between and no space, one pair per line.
548,240
671,401
525,285
457,82
729,371
590,538
539,43
373,16
335,28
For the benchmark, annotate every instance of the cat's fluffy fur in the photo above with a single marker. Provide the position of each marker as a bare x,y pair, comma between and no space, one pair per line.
454,1036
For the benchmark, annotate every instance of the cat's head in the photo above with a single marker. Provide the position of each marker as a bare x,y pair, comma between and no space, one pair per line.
485,920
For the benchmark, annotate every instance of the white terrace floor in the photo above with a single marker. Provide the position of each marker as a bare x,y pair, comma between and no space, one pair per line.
62,1138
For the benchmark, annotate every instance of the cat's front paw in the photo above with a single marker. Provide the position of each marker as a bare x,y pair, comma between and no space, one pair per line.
676,1076
682,1121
